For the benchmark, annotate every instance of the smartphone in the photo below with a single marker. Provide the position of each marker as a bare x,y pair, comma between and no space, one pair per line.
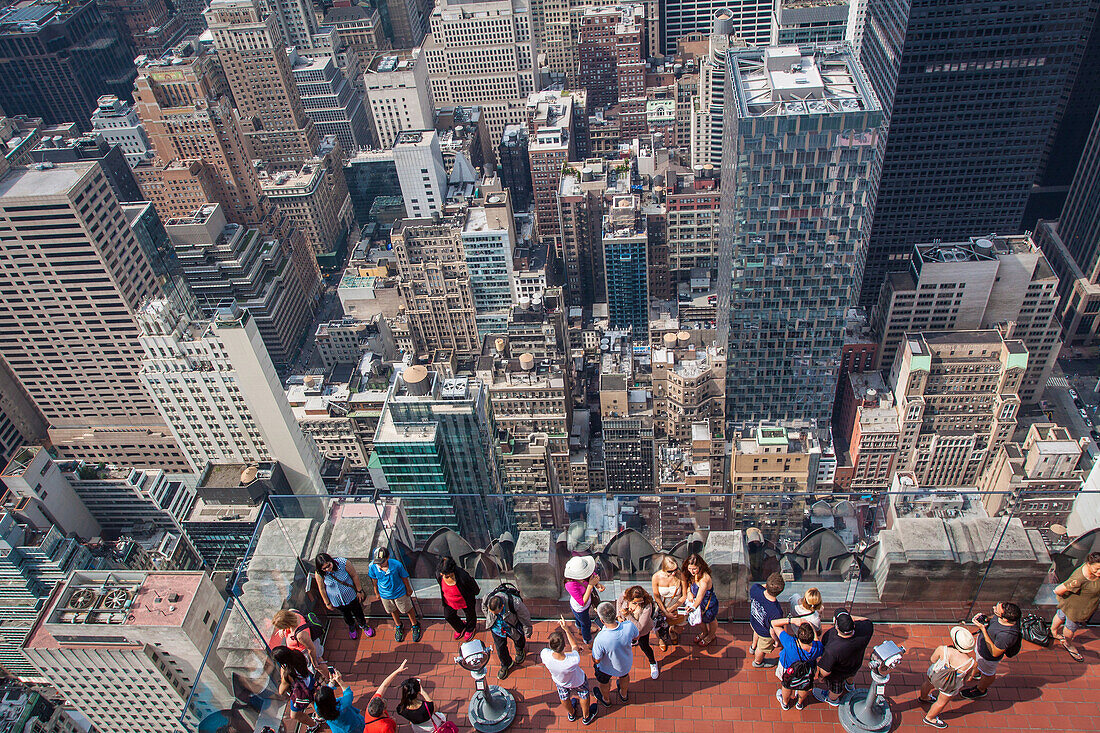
331,670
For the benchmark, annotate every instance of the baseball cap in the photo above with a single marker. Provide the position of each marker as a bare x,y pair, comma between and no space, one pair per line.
844,623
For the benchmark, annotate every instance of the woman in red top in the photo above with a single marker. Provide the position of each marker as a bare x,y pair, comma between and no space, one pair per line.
459,593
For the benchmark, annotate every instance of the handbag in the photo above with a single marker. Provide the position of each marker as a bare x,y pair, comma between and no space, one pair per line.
1036,630
695,616
445,727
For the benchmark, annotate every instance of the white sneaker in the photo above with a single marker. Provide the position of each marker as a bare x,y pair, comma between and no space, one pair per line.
653,671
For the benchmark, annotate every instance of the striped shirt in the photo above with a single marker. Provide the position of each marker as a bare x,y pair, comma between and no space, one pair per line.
338,584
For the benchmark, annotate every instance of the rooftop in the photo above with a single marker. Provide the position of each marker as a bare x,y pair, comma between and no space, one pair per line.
712,690
799,80
43,179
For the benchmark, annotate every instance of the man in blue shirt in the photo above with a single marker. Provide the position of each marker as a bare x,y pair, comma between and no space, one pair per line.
764,607
394,590
612,652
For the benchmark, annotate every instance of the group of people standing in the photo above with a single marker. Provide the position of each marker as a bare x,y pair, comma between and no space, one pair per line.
679,595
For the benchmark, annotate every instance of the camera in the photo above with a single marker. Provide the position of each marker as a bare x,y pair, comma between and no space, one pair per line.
981,619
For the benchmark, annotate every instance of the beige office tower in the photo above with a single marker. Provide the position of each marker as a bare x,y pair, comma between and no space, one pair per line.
71,277
255,60
773,479
482,53
689,383
202,155
957,400
435,282
213,403
708,112
294,20
1001,282
125,648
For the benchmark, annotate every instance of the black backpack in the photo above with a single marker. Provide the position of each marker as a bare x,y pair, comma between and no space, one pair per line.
800,675
1036,630
316,629
511,595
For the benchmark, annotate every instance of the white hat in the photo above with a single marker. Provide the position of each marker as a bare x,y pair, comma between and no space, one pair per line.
579,568
962,639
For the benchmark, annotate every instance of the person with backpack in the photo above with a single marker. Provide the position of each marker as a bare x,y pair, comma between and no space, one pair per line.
378,721
844,646
798,657
997,638
339,713
341,589
298,682
1078,598
507,617
418,708
950,669
458,591
395,591
297,631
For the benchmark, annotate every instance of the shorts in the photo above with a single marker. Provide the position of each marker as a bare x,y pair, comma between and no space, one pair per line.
836,684
603,677
401,604
1070,625
581,691
987,667
763,643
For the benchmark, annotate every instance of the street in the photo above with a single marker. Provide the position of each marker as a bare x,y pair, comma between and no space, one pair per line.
1066,405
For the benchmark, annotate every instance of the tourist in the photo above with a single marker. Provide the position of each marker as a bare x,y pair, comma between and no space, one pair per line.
294,631
583,585
378,721
392,580
565,670
613,653
842,655
807,606
996,638
637,606
764,607
339,713
298,682
950,669
458,591
701,602
418,708
1078,598
507,618
798,656
669,591
341,590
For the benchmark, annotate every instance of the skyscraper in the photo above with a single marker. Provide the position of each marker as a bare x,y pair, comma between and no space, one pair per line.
1072,246
626,266
488,242
221,408
332,102
421,172
59,58
435,445
971,121
71,278
253,54
151,26
398,95
750,19
804,127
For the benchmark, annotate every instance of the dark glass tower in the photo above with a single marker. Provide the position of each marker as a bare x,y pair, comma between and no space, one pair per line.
57,59
974,91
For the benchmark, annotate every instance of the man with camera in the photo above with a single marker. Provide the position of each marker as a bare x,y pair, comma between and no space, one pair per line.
998,637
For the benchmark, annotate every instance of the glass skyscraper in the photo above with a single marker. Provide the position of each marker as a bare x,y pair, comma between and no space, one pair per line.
801,152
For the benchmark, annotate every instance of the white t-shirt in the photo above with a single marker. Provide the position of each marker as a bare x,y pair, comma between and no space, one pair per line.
565,672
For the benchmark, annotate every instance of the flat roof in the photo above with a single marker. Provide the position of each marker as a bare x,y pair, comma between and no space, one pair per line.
43,179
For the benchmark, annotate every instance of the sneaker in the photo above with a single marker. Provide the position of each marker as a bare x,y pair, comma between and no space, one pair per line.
315,728
521,655
458,635
934,722
368,631
353,633
598,694
766,664
572,714
504,672
653,671
399,633
823,696
622,697
417,632
973,693
799,704
469,635
592,709
779,697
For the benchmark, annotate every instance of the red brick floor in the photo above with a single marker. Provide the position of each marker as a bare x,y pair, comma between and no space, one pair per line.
705,691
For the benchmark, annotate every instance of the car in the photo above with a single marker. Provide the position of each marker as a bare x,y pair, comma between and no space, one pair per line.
1088,422
1095,435
1083,413
1073,394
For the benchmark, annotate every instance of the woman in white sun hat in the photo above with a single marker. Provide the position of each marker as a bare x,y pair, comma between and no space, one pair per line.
582,583
952,667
